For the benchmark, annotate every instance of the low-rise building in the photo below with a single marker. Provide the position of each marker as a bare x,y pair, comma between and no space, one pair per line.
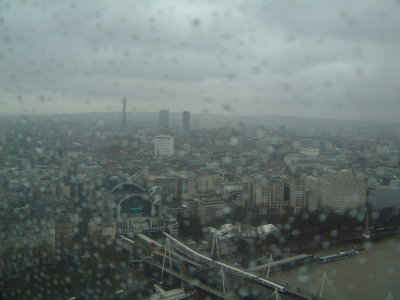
102,230
210,210
25,244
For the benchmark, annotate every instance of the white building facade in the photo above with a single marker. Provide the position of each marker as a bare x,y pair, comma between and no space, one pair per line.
163,145
340,191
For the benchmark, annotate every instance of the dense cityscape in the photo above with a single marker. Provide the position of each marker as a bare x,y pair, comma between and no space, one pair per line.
199,149
80,192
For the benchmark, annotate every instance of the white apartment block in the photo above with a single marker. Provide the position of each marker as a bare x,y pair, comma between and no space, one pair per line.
340,191
163,145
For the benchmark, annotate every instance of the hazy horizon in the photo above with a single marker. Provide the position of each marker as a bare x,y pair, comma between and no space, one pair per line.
333,60
177,115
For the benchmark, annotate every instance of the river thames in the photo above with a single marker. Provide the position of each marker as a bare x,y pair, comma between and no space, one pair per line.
370,275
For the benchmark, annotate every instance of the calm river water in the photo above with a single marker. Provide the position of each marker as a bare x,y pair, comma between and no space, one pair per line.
370,275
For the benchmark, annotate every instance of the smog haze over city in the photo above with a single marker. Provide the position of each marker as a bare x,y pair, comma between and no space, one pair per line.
332,59
199,149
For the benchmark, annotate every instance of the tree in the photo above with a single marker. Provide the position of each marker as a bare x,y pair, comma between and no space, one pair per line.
190,227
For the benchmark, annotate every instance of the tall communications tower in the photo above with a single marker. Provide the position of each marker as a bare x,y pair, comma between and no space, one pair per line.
124,112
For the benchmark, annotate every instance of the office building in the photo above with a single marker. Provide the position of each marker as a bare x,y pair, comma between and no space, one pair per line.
297,195
172,186
312,193
279,194
211,210
163,145
340,192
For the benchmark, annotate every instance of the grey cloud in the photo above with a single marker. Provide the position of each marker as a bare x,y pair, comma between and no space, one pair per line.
286,57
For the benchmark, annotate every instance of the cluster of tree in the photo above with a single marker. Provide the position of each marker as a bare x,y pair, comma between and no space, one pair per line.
303,226
190,227
325,221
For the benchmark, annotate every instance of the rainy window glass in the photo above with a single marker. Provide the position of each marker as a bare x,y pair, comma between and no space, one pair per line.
199,149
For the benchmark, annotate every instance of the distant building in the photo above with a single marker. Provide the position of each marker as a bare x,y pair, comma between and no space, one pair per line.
186,122
134,209
168,184
172,186
312,193
340,191
313,152
207,181
183,209
386,149
302,161
164,119
101,230
163,145
275,195
25,245
268,144
211,210
279,194
297,195
233,187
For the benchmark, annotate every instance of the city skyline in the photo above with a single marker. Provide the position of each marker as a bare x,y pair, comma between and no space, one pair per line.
208,149
71,186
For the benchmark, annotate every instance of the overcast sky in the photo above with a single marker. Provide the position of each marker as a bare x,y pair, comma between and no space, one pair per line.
329,59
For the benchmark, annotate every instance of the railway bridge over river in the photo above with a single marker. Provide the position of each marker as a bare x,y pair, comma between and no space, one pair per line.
225,281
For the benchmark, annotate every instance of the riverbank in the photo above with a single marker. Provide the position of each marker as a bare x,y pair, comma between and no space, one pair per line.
324,243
